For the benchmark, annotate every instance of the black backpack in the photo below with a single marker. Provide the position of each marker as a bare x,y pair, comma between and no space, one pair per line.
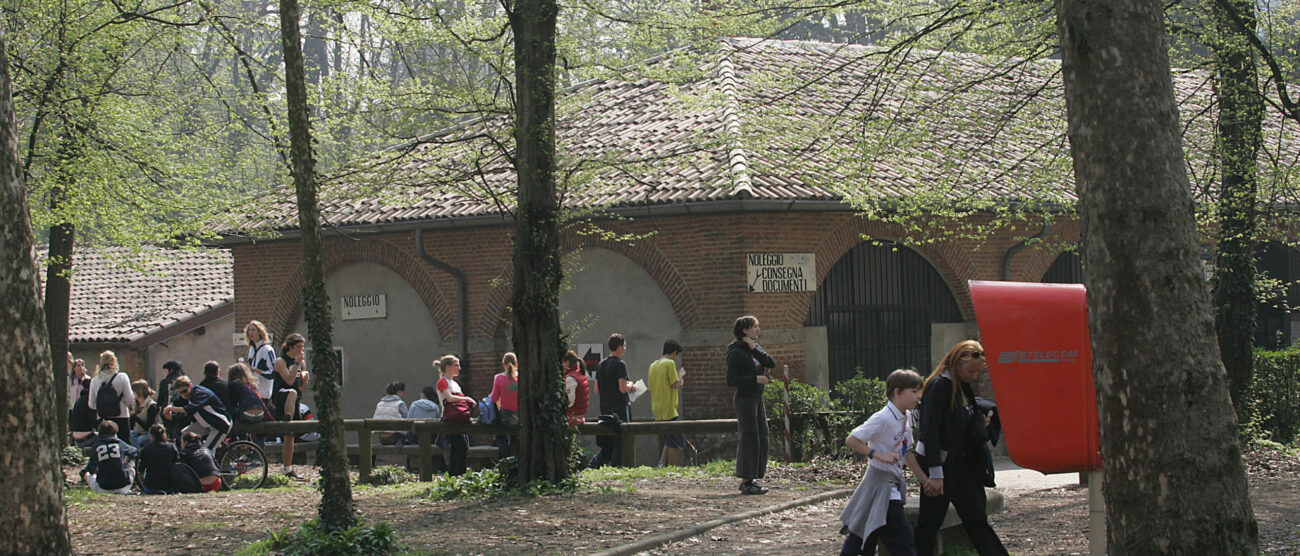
108,399
184,479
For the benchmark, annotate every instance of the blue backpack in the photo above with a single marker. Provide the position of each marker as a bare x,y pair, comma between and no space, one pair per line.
487,411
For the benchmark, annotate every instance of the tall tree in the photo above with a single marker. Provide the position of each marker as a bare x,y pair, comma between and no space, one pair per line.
1240,136
535,313
32,492
1174,479
336,509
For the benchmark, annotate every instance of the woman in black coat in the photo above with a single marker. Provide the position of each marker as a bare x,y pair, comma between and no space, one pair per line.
746,362
952,448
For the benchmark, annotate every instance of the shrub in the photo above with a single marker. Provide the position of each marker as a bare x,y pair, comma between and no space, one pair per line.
309,540
819,422
1273,410
72,455
389,475
486,483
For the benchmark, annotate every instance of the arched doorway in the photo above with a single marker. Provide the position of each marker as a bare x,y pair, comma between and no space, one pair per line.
1066,269
879,305
398,343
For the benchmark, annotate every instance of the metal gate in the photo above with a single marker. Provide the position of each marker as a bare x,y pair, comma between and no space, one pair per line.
879,339
878,303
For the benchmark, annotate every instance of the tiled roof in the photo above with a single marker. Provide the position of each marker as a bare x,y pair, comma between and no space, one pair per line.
777,120
121,295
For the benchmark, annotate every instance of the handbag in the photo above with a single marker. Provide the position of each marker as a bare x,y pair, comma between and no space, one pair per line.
456,411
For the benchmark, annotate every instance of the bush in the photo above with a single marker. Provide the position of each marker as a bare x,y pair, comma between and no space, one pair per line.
818,422
309,540
486,483
72,455
389,475
1273,410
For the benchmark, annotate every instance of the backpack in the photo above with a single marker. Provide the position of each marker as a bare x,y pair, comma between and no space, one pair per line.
108,399
184,479
487,411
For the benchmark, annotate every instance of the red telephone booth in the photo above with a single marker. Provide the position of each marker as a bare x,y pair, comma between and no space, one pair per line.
1035,337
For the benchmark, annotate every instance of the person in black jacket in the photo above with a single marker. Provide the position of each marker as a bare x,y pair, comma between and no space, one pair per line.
156,461
212,381
107,470
209,413
746,362
953,449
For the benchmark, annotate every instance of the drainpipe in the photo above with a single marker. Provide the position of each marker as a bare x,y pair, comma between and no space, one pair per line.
1006,259
462,302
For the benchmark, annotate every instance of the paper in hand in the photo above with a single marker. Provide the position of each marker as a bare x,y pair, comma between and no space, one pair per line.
638,388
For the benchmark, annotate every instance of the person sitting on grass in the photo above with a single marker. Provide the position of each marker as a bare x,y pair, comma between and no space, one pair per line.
107,471
200,460
156,461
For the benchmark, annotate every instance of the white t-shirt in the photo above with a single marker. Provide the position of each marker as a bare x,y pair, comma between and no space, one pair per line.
261,358
887,430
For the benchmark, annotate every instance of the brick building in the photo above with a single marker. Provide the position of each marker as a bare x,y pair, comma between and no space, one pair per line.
733,182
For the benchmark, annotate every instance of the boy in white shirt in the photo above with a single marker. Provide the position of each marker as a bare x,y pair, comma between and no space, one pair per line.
875,512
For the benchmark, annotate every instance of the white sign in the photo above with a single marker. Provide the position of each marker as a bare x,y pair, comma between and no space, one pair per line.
781,272
367,306
591,353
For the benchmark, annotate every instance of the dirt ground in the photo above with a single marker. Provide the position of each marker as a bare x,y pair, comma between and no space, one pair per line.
1052,521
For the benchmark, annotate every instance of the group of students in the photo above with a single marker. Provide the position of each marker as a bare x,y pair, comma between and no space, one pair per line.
446,401
181,410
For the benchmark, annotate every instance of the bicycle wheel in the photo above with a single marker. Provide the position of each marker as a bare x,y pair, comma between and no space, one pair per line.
243,465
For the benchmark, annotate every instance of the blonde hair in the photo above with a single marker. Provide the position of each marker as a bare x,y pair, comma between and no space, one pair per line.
949,362
107,361
511,364
182,380
442,363
261,331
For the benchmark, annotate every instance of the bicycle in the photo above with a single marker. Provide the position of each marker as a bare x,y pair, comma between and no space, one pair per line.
241,464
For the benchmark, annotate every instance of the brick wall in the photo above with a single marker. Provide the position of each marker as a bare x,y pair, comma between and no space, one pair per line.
697,261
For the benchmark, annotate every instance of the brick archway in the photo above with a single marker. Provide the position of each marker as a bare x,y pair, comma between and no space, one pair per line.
643,252
949,258
342,252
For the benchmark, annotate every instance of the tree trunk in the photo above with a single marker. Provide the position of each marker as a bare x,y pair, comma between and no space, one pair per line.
1241,112
58,304
336,509
534,315
1174,479
32,489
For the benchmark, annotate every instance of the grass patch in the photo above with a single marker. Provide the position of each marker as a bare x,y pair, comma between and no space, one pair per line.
275,480
77,495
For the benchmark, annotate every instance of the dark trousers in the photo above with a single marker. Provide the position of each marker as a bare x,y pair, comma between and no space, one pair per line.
751,450
457,453
505,442
123,428
965,490
896,535
611,447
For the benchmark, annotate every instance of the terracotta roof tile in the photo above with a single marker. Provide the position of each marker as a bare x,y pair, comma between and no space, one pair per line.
114,302
788,120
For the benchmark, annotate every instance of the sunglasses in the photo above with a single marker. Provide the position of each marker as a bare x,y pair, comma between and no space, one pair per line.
972,355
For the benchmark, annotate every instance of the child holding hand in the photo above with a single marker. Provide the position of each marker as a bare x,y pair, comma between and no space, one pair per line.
875,512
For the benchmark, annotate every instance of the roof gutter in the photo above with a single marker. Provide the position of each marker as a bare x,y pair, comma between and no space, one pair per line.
462,303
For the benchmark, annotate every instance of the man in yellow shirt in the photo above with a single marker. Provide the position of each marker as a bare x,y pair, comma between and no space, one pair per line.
665,381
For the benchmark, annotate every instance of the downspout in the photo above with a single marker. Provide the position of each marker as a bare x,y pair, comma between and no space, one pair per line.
1006,259
462,289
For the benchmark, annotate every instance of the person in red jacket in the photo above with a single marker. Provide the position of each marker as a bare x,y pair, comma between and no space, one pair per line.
576,387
